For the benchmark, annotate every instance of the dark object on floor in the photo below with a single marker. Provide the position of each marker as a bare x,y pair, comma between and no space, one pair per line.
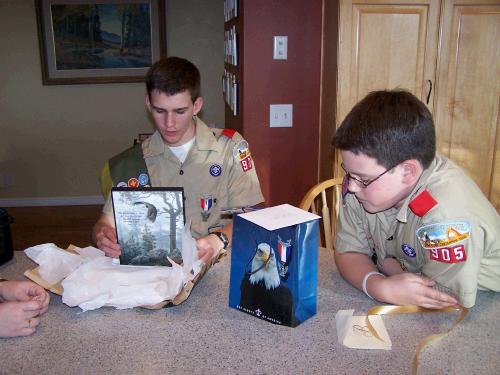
6,248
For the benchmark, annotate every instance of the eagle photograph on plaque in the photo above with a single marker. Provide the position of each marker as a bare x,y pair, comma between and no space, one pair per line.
149,224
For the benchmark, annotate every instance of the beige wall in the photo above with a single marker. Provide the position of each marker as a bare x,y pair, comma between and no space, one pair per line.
54,139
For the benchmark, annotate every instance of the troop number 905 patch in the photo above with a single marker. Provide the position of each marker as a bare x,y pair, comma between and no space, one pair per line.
452,254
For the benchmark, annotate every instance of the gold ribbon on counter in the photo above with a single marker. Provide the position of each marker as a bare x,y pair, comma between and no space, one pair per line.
410,309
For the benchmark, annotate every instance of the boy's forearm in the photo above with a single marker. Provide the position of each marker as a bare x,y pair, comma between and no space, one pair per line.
354,266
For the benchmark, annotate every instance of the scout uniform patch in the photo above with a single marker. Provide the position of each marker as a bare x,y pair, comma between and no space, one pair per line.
422,203
229,132
408,250
215,170
241,153
445,241
133,182
206,202
143,179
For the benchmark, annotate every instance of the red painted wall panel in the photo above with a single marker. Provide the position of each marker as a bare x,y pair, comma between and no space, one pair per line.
286,158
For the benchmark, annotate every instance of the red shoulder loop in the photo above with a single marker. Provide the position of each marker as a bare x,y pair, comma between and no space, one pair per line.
228,133
422,203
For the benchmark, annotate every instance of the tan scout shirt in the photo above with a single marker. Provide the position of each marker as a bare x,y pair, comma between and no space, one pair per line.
455,240
217,165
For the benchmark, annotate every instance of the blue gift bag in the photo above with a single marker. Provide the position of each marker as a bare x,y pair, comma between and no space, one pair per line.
274,264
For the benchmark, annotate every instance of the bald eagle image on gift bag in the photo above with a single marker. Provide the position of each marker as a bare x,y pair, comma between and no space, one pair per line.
261,289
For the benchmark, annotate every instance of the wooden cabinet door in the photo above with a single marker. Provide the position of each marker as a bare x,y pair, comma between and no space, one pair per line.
385,45
468,91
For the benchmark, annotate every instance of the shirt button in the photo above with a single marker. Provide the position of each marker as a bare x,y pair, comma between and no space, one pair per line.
181,172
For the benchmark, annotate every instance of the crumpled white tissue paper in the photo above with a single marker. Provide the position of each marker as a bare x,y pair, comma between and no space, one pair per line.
92,280
99,283
55,263
190,261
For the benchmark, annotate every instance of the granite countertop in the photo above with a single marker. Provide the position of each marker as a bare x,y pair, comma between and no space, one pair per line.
204,336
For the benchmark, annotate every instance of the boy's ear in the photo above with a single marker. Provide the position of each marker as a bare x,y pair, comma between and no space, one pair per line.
198,103
148,103
412,169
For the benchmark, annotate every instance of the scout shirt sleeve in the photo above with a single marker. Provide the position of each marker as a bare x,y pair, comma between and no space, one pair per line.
351,234
244,187
455,266
458,235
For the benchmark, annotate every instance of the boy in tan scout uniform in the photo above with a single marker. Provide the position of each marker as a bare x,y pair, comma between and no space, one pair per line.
413,228
214,166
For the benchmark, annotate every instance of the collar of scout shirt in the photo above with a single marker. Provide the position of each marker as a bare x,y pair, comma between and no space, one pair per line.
402,215
205,141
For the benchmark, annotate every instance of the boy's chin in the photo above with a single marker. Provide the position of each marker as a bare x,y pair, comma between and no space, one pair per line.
372,209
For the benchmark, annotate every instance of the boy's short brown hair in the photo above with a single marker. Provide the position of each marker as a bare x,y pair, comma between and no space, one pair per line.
173,75
389,126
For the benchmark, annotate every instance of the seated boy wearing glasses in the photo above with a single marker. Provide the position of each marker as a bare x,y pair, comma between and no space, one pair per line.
413,228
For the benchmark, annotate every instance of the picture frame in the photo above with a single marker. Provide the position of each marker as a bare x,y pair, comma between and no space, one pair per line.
144,136
149,222
99,41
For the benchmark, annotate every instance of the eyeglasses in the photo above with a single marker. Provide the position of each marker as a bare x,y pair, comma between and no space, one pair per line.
359,182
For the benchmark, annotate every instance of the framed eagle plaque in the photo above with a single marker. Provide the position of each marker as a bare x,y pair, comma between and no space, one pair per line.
149,224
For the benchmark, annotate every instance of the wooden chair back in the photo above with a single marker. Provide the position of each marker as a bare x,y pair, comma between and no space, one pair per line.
324,200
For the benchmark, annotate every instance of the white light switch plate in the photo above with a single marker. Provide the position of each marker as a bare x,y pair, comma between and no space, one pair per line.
280,49
281,115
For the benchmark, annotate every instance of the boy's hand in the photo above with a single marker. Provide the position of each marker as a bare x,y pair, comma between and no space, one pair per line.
19,318
410,289
23,291
208,247
105,239
104,236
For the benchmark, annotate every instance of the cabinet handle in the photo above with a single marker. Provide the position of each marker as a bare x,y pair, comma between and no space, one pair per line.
429,93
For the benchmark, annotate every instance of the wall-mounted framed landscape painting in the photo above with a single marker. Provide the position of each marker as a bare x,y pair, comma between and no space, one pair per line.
99,41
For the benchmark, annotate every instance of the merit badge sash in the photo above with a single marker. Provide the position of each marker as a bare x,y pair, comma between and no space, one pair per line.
128,169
